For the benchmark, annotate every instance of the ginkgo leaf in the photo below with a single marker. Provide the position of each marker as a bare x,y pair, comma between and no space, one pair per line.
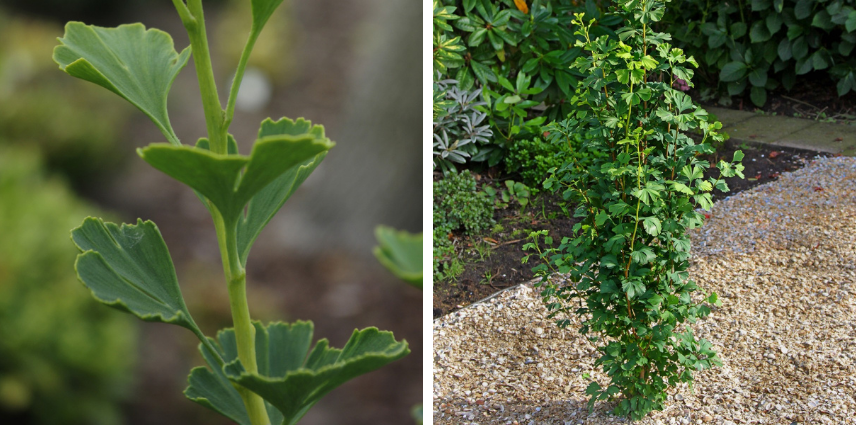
219,178
128,267
262,11
292,378
137,64
400,253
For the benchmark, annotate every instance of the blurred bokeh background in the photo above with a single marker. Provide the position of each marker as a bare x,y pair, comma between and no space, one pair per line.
67,150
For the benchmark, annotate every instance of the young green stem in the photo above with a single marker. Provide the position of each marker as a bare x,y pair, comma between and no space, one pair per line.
205,73
194,21
245,333
239,76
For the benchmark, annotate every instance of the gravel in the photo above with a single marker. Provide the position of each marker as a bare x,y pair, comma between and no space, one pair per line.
782,258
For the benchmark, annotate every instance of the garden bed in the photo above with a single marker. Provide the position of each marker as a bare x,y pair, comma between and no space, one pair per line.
493,260
781,256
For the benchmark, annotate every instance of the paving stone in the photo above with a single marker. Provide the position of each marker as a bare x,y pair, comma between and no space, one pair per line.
767,129
730,117
834,138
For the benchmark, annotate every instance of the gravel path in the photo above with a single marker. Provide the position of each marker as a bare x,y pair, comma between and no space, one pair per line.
781,256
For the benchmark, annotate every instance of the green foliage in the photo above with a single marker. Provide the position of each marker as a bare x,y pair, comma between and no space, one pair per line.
459,129
291,377
628,257
533,159
758,45
458,205
401,253
513,192
519,55
62,359
257,374
464,207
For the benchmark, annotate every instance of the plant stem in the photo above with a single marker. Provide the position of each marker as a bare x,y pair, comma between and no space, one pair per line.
239,76
245,333
205,74
194,21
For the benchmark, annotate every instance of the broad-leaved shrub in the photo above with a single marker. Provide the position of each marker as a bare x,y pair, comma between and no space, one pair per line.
628,257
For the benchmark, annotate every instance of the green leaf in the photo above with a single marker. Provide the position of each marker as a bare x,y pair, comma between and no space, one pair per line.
128,267
732,71
262,11
268,201
652,225
778,5
758,77
292,378
803,9
738,29
844,86
850,23
137,64
401,254
218,177
800,48
759,32
785,49
822,20
211,388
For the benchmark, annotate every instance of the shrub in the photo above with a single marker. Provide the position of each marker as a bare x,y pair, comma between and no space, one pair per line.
63,360
756,45
518,53
628,257
458,205
532,159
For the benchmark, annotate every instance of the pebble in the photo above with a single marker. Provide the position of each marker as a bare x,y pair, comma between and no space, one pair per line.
782,257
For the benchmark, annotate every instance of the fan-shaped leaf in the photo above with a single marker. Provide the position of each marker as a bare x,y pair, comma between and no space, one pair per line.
219,178
137,64
128,267
400,253
262,11
293,379
268,201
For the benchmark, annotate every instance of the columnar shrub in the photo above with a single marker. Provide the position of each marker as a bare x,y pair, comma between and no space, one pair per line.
628,257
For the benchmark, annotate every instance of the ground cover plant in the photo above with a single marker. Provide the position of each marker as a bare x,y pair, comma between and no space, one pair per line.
258,374
629,254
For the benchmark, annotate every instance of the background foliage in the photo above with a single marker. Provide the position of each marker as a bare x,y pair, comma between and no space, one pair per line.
758,45
32,91
63,360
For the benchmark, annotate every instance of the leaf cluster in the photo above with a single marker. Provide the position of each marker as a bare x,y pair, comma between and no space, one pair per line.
628,257
256,374
758,45
460,130
519,53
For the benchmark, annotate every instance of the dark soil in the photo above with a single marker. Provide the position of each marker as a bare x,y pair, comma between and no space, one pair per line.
493,260
813,97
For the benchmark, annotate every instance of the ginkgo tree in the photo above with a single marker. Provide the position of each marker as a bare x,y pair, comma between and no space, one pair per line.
257,374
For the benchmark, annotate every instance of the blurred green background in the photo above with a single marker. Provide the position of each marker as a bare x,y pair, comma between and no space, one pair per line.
67,152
